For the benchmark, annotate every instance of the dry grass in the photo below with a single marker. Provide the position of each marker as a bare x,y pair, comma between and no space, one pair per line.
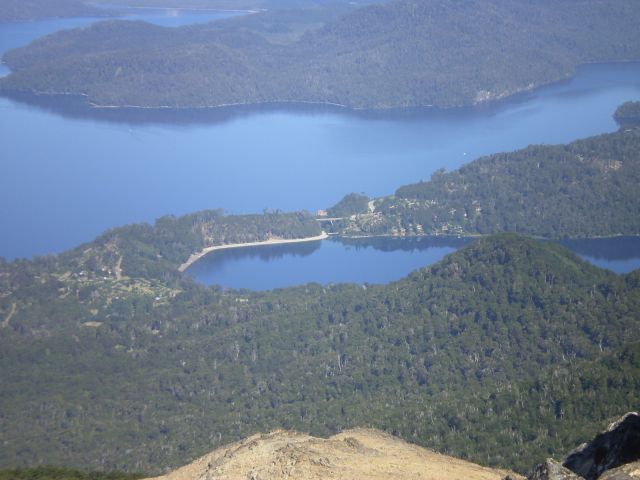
355,454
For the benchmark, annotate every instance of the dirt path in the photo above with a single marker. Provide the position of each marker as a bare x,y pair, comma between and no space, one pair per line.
5,322
118,269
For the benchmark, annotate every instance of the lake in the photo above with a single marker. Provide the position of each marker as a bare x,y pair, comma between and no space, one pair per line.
69,173
18,34
373,260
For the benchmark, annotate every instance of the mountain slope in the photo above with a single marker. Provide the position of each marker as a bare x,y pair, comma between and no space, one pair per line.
399,54
465,357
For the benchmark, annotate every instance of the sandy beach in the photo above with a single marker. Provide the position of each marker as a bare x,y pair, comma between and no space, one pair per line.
275,241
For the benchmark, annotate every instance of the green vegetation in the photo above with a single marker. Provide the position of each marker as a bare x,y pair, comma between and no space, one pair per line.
506,352
170,241
351,204
398,54
586,188
56,473
628,113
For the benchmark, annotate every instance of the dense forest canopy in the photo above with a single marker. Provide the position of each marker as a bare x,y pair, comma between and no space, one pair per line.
350,204
506,352
57,473
586,188
628,114
398,54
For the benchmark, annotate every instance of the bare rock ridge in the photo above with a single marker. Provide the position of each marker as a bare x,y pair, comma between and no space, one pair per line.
612,455
619,445
354,454
630,471
552,470
361,454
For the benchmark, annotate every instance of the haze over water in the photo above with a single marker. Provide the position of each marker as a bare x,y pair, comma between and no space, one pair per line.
67,176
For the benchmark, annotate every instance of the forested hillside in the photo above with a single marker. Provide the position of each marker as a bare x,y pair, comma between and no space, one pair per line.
586,188
57,473
398,54
506,352
628,114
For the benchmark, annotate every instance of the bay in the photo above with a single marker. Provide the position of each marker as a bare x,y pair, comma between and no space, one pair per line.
369,260
68,173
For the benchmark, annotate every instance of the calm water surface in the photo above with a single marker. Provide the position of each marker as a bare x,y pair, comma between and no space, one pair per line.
67,174
376,260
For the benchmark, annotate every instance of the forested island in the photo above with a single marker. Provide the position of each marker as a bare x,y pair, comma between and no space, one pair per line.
506,352
398,54
584,189
628,114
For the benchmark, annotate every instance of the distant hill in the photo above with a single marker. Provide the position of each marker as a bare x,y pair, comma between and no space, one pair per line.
586,188
23,10
399,54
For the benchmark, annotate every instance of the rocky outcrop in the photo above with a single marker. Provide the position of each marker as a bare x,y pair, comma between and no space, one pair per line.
618,445
361,454
552,470
630,471
611,455
369,454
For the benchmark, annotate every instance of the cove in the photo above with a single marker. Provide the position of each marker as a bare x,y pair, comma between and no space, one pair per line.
369,260
68,173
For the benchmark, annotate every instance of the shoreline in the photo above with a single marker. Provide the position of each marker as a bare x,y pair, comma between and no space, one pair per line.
205,251
497,100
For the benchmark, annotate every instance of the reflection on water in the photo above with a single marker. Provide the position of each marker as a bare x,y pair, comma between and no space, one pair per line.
618,254
369,260
92,169
217,260
407,244
591,81
336,260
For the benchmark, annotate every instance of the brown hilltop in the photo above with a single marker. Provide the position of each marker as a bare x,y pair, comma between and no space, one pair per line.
354,454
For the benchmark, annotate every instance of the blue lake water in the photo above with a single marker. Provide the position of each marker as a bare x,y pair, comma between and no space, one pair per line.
374,260
173,17
68,173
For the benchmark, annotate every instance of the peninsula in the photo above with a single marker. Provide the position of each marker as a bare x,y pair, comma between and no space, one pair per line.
506,352
584,189
271,241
